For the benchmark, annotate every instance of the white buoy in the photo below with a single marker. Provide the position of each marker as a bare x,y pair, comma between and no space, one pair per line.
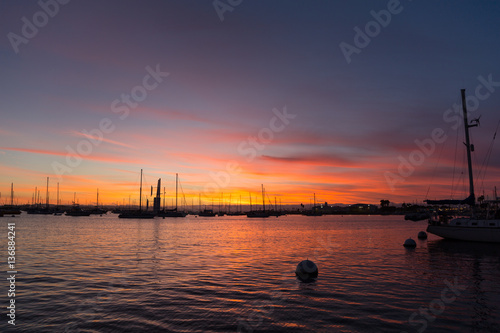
422,235
306,271
410,243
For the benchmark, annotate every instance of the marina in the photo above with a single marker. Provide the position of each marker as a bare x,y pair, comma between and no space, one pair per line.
250,166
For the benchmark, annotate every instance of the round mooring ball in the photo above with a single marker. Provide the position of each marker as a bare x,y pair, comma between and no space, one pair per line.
306,271
422,235
410,243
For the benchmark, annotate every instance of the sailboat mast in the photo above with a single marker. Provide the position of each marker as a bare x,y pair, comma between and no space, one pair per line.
263,201
468,145
12,194
47,194
140,195
176,185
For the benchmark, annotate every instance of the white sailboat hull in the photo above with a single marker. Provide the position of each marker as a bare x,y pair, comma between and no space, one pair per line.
473,230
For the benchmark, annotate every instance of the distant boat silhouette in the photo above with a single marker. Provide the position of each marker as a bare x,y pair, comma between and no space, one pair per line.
173,212
41,210
314,210
139,214
96,210
207,213
260,213
76,210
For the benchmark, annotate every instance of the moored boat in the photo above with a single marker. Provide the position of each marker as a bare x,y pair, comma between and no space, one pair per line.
76,210
481,224
173,212
137,214
207,213
260,213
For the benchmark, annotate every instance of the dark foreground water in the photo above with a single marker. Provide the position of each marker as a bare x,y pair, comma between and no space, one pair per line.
104,274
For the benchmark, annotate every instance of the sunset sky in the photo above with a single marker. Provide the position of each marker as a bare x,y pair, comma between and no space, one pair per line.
288,94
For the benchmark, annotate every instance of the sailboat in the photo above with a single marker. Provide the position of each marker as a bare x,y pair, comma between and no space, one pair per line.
314,210
206,212
76,210
237,213
39,210
482,225
58,211
138,214
96,210
173,212
260,213
11,209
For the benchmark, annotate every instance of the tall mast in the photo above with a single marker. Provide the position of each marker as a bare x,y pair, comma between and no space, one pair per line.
57,195
468,145
47,195
97,203
263,201
12,194
140,195
176,185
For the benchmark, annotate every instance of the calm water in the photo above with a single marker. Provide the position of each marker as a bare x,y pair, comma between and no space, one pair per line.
104,274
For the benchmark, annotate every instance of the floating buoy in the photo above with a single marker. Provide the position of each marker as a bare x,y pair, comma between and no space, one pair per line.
410,243
306,271
422,235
